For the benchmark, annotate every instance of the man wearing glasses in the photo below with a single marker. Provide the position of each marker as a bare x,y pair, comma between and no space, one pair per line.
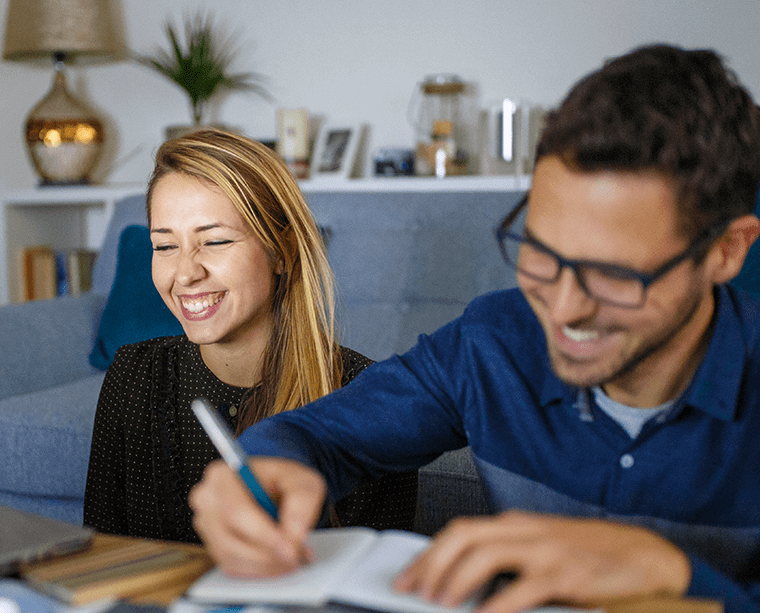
612,402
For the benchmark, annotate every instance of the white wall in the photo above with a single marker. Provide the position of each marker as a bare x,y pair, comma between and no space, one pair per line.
359,60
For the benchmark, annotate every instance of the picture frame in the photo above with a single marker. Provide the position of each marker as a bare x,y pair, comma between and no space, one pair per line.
334,151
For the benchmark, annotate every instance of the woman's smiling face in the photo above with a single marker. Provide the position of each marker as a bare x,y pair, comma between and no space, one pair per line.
208,266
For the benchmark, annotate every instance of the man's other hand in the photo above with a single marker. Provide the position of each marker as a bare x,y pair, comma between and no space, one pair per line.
556,559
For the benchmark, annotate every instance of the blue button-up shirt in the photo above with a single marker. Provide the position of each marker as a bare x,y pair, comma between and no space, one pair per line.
692,474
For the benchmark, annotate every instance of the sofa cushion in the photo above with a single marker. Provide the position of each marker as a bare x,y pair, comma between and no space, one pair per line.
448,487
46,342
45,439
129,211
135,311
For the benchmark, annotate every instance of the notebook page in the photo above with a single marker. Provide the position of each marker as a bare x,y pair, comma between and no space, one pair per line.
369,583
335,552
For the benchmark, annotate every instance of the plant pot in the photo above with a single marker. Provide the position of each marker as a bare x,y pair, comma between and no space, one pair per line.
178,130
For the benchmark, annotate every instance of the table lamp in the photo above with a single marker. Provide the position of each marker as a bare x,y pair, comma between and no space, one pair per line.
63,135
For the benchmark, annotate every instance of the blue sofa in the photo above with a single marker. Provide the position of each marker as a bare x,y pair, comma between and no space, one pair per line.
405,263
49,389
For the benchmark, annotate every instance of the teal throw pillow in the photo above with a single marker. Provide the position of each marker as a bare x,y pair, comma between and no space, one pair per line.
134,311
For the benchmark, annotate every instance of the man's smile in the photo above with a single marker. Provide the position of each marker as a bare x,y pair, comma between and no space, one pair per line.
580,335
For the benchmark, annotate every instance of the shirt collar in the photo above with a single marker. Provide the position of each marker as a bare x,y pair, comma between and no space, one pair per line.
715,386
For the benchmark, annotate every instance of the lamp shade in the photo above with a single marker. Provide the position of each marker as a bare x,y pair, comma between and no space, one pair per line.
79,29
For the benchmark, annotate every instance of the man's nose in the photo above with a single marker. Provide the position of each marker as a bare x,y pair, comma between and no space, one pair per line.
570,302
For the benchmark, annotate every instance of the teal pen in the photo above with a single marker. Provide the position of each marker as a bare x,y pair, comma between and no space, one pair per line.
231,451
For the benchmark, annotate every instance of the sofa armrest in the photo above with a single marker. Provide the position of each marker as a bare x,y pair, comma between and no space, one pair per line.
48,342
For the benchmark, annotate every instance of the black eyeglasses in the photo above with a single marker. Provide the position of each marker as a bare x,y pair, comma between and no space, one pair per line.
608,283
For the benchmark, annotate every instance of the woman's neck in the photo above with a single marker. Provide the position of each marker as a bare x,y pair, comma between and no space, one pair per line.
239,366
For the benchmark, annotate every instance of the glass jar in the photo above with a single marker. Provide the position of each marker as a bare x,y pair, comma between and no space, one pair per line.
437,116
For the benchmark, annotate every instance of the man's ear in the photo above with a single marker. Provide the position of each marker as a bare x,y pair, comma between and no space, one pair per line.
731,249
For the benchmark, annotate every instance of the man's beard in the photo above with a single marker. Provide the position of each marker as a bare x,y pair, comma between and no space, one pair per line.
625,364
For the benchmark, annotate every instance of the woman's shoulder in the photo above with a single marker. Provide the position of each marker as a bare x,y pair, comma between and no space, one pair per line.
152,344
133,374
353,363
143,353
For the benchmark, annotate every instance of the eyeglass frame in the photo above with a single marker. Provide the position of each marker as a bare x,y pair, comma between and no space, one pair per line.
700,243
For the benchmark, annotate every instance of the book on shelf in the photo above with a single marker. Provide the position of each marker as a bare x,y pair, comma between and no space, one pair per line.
46,272
61,273
79,266
117,567
38,273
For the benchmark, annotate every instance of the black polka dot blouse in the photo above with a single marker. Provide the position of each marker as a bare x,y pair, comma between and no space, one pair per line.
148,449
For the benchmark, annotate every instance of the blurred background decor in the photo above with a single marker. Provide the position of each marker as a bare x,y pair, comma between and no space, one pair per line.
64,136
201,67
293,140
335,148
441,115
353,63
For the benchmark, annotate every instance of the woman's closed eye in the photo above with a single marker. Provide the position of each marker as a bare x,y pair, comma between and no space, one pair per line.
209,243
163,247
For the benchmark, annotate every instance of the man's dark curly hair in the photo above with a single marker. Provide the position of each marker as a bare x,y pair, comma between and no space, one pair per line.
678,112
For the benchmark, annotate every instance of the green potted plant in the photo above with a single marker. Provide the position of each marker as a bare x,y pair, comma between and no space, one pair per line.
201,66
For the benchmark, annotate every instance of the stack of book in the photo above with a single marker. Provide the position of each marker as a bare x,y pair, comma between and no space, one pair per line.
46,272
118,567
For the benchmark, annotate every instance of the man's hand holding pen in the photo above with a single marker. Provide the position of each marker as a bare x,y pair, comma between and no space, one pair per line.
240,535
246,538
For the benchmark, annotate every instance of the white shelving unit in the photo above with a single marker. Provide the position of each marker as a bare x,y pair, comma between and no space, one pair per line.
470,183
61,217
65,217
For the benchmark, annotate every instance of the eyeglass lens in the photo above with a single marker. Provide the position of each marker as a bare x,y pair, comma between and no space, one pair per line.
605,283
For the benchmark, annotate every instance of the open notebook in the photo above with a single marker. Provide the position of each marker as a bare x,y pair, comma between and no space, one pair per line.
25,537
352,566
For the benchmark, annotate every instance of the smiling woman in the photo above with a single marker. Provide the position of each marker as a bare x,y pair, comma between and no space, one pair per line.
214,275
240,262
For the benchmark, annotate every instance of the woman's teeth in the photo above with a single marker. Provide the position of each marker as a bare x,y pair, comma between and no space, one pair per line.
196,306
580,336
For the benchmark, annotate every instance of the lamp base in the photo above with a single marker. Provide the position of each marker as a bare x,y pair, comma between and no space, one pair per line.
63,136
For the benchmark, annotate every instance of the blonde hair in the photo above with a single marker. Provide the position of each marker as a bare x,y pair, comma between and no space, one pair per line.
301,361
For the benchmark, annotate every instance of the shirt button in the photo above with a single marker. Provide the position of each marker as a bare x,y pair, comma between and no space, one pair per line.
233,411
626,461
